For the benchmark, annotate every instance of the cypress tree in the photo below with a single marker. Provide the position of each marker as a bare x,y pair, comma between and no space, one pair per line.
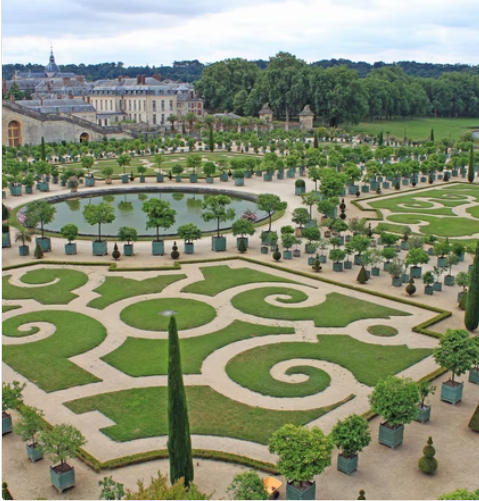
179,441
38,251
471,319
315,142
43,151
432,135
470,170
211,140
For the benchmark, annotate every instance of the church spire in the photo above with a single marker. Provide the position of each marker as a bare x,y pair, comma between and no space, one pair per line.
51,68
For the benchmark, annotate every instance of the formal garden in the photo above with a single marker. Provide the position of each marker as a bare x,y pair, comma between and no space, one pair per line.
298,271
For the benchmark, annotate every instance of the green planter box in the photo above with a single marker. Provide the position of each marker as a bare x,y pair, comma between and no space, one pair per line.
6,423
375,271
297,253
424,414
267,177
416,271
142,179
239,181
70,249
189,248
158,247
397,281
353,189
442,261
210,180
365,188
264,249
299,190
429,290
451,394
238,239
386,185
322,259
311,260
347,465
160,178
309,249
337,267
178,179
16,190
280,174
291,173
248,174
357,259
23,250
391,437
218,244
449,280
437,286
294,492
6,242
63,480
193,178
128,249
99,248
224,176
348,265
43,186
28,190
45,243
34,453
474,376
374,185
287,254
430,251
55,179
404,245
259,173
90,181
125,178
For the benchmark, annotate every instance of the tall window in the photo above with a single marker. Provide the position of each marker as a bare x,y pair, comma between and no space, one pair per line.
162,105
162,119
14,133
171,105
154,105
134,105
129,104
154,119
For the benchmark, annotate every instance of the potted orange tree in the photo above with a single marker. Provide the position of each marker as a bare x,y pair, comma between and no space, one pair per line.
30,424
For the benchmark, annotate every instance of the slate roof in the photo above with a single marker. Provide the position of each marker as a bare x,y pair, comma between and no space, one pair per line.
57,105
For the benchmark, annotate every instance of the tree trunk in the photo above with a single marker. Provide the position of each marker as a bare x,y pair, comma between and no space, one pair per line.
99,232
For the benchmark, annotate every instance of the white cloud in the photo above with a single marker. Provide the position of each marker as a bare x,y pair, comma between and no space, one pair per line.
158,32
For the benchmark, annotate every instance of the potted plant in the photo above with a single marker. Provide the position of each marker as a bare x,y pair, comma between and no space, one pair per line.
193,161
269,203
159,214
313,235
102,213
414,258
288,240
222,168
300,217
28,181
396,269
158,160
474,372
30,424
215,207
437,271
462,279
451,260
141,171
359,243
303,454
87,163
456,352
107,172
441,249
425,389
270,169
396,400
350,436
11,399
299,185
177,169
337,256
70,232
124,161
316,264
405,237
428,279
239,177
276,254
242,227
128,234
248,485
41,212
23,236
189,232
59,444
209,169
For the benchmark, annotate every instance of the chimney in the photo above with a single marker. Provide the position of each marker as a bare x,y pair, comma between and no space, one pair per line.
157,76
138,79
59,95
66,81
144,80
41,101
70,95
119,78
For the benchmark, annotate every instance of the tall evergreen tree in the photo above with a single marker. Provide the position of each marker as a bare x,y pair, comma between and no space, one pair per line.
179,441
43,151
470,170
471,319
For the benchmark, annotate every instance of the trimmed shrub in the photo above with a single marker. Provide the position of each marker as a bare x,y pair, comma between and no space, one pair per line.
362,276
428,463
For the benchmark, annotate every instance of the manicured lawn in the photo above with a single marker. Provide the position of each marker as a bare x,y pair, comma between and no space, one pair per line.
117,170
114,289
219,278
45,362
382,330
146,314
9,307
57,293
337,311
142,413
149,357
417,128
440,226
367,362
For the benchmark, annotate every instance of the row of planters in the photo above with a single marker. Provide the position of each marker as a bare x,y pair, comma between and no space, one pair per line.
59,443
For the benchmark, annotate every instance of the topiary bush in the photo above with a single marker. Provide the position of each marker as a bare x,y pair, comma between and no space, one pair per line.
276,254
410,287
116,252
474,422
174,252
362,276
428,463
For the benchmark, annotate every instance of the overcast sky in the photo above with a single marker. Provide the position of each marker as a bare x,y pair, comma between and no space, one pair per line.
156,32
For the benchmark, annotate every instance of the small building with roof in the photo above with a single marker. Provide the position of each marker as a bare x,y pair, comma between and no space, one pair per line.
306,118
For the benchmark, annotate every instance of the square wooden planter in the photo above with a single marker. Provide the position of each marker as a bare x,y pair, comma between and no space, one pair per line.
158,247
6,423
287,254
128,249
125,178
474,376
45,243
70,249
452,393
347,465
391,437
337,267
424,414
34,453
246,241
160,178
99,248
294,492
89,181
62,480
189,248
218,244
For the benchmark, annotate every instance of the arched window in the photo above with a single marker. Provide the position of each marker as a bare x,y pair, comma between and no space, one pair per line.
14,133
84,137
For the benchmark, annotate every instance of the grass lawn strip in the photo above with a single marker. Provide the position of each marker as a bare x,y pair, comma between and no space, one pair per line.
9,307
45,362
440,226
367,362
146,315
382,330
149,357
220,278
115,289
142,413
337,311
57,293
